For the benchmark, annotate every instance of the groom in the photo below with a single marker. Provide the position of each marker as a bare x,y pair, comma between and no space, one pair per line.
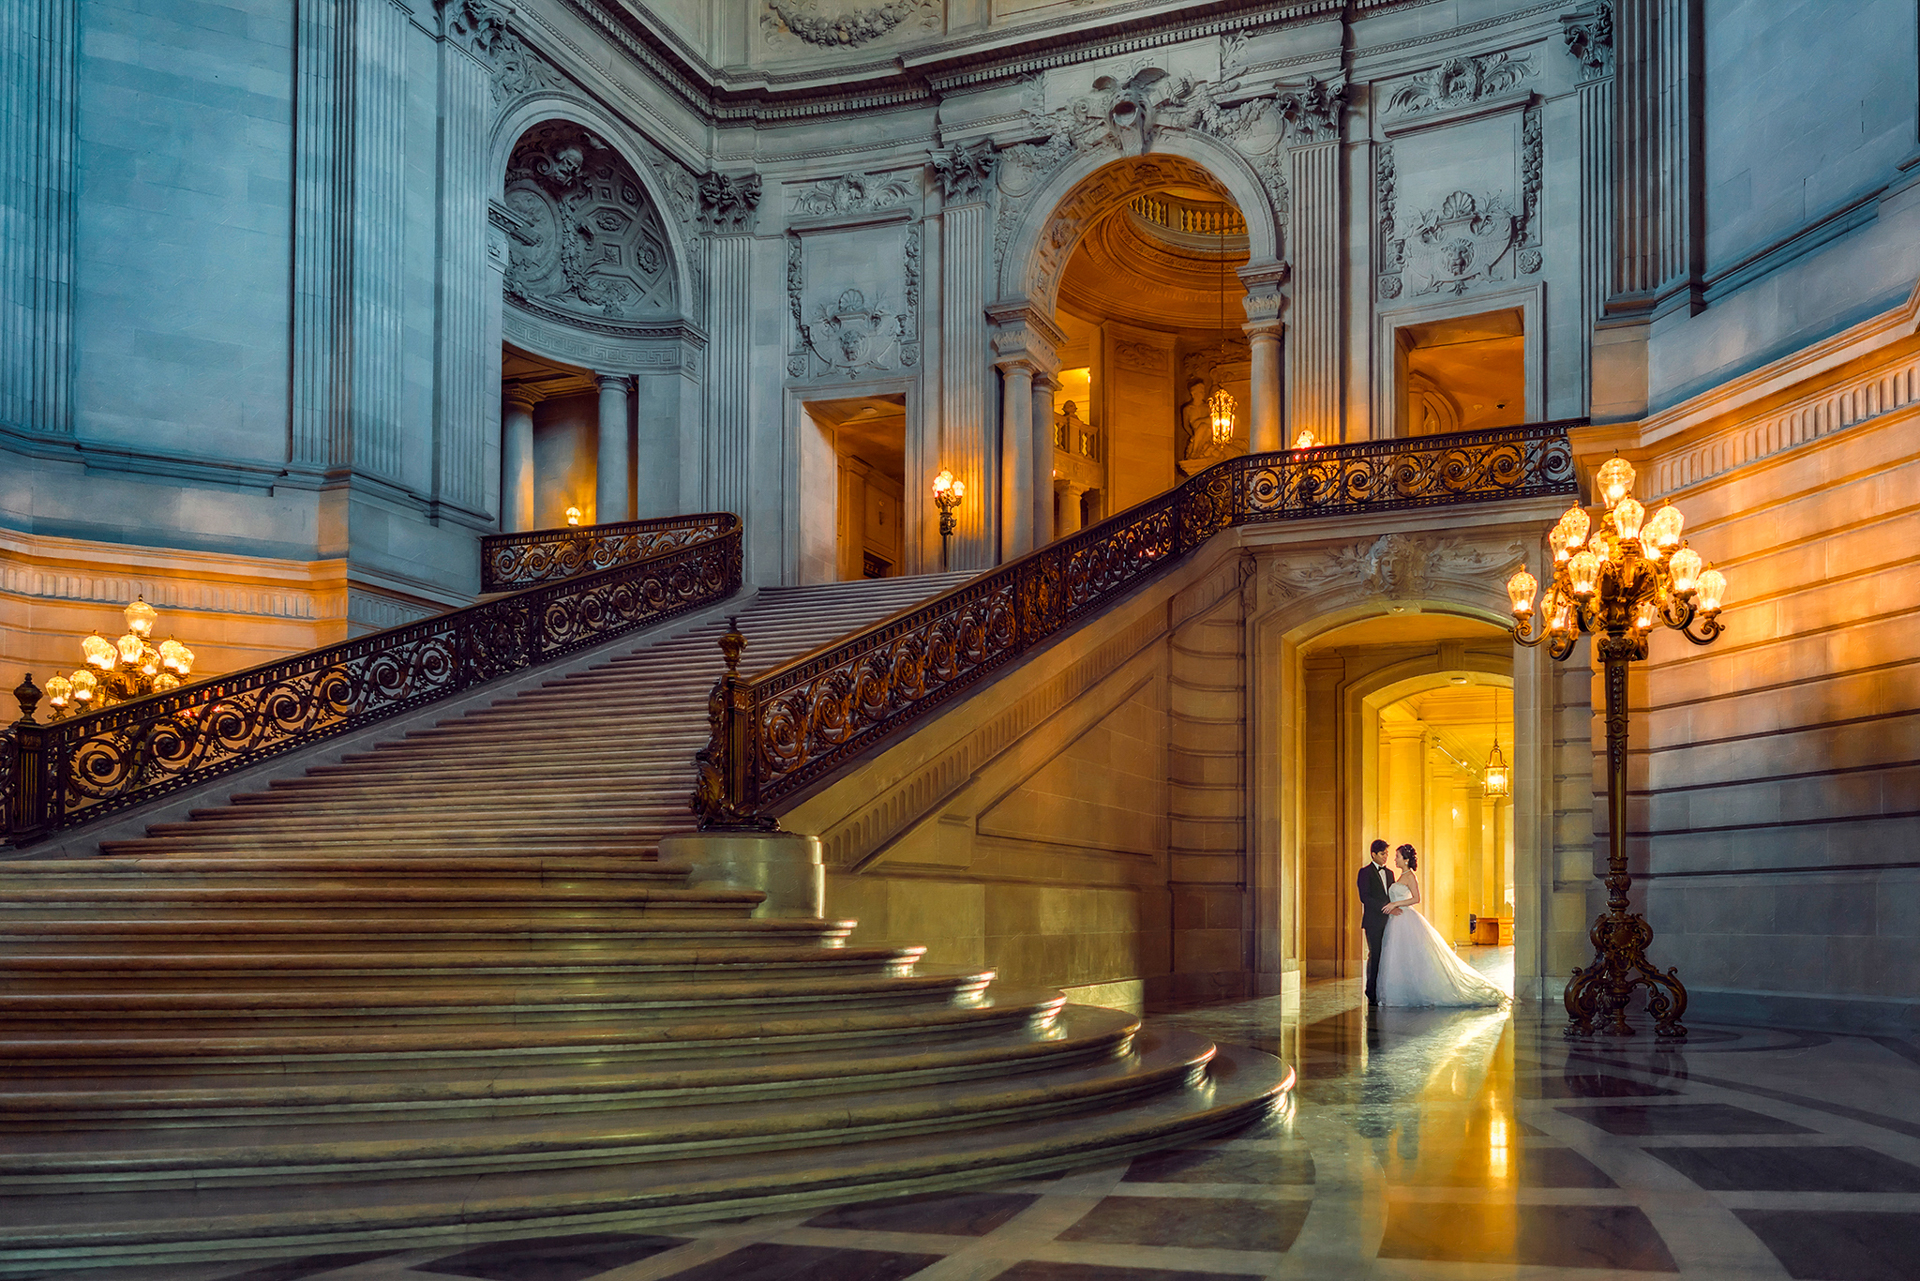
1374,881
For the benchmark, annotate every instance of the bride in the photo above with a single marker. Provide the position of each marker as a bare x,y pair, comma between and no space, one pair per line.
1417,966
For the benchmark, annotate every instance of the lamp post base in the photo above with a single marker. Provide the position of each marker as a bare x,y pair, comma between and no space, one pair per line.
1600,992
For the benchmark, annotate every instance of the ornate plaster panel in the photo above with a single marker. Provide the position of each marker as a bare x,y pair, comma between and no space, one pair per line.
1398,567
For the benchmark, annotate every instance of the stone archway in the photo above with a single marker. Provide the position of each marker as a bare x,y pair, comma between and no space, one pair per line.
595,279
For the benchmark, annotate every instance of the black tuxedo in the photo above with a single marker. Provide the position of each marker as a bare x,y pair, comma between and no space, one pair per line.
1373,883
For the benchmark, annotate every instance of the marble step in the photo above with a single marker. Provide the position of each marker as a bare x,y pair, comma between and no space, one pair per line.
189,1222
792,994
611,905
1083,1034
367,935
503,817
630,843
134,870
111,1047
49,1160
24,972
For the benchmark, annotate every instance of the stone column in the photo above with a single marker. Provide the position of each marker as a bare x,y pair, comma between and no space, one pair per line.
1042,460
1313,347
1405,787
610,500
1016,461
39,44
516,499
1478,900
1069,495
729,205
1263,330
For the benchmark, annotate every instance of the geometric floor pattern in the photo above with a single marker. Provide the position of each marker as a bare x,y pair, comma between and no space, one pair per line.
1456,1145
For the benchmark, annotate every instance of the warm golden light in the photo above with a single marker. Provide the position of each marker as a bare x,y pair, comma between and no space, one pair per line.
1583,574
59,691
1220,407
1520,590
1627,518
1663,528
99,652
573,515
1305,440
943,483
1616,479
1497,781
1685,568
1575,525
131,647
140,617
85,685
164,682
176,657
1712,591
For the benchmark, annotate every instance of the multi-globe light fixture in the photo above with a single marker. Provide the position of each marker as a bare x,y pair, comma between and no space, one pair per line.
1617,579
117,671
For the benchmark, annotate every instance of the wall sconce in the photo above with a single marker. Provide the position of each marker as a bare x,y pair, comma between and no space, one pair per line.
948,493
116,671
573,515
1306,439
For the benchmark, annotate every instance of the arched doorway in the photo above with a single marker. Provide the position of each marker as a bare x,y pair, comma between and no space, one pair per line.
595,407
1134,278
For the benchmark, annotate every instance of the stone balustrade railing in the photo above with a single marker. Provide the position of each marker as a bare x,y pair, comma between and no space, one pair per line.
776,735
99,763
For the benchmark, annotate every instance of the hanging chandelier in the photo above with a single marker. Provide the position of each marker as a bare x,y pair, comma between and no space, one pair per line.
1220,405
1497,781
117,671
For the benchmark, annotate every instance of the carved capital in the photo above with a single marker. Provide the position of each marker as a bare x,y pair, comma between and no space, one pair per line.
966,172
1589,40
728,201
473,25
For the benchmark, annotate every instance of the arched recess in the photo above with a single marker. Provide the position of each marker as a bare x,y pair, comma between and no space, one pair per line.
1304,596
594,239
1069,202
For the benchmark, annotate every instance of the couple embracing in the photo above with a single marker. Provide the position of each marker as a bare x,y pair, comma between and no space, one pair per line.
1408,963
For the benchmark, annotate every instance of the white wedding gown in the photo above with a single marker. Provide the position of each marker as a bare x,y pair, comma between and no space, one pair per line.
1418,967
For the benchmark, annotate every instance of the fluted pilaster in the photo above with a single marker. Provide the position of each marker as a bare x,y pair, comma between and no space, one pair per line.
966,426
1313,344
466,400
729,371
1659,211
38,44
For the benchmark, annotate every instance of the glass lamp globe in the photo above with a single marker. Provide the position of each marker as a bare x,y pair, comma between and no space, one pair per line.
1628,517
1713,591
1574,525
1520,590
176,657
1685,567
99,652
140,617
59,691
1498,780
1616,479
85,686
131,647
1220,407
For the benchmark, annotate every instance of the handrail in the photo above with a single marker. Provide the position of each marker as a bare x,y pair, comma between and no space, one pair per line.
509,562
73,771
776,734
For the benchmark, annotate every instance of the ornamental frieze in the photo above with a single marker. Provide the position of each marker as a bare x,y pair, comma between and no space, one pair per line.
802,20
1458,82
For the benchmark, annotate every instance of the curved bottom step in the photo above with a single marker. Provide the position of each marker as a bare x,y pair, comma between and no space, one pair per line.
99,1228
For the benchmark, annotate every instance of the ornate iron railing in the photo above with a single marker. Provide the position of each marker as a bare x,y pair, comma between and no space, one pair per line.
70,772
778,733
509,562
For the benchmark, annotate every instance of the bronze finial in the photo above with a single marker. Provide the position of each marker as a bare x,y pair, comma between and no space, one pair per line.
731,644
27,694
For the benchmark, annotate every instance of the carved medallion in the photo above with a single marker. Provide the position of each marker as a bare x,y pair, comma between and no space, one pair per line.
853,335
590,243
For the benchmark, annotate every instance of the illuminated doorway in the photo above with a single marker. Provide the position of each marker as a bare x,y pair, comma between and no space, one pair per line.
853,486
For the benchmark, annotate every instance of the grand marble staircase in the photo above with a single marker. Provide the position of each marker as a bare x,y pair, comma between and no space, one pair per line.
445,990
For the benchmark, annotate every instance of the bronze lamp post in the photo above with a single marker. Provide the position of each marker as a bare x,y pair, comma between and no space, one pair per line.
948,493
1617,583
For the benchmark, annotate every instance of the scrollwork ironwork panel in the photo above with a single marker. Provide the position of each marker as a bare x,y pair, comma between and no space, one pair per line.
801,722
509,562
102,762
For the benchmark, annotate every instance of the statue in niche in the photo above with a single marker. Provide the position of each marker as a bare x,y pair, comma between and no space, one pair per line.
590,243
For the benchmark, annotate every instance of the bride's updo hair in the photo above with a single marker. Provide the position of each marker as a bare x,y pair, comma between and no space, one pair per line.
1413,859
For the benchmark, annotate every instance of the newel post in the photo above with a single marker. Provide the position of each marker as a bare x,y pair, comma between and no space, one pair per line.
23,817
724,796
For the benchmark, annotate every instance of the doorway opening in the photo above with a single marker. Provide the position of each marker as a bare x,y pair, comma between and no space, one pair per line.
1463,374
853,449
551,430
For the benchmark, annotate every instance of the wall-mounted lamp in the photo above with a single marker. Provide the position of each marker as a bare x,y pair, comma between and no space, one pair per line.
1306,439
948,493
573,515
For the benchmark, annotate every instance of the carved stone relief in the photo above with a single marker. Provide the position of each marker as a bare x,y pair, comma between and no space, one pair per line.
852,193
1398,567
589,243
965,173
1465,240
1589,40
1140,357
728,201
859,330
1459,81
482,29
1203,372
848,29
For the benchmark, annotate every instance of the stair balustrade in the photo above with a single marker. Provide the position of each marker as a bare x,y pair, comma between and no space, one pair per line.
775,735
57,776
510,562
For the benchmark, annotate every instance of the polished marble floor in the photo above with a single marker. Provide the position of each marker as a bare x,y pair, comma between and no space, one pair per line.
1464,1144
